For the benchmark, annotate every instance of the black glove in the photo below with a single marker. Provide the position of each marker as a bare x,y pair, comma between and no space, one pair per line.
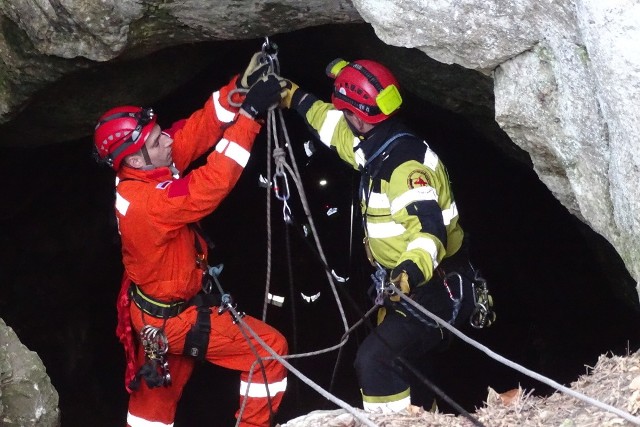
253,72
264,94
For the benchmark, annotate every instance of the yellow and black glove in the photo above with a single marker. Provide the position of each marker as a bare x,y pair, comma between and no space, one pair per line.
401,281
254,71
288,98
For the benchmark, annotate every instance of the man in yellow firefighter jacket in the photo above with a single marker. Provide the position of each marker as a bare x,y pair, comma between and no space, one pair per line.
410,220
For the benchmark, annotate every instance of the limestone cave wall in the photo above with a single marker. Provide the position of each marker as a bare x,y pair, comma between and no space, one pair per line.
552,87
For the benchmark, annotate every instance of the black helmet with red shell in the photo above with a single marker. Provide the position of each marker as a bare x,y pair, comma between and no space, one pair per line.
366,88
122,131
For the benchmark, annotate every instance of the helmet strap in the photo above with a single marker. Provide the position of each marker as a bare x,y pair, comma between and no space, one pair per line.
354,130
147,159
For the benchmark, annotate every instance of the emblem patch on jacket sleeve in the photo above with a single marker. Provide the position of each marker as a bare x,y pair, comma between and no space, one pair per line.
417,178
163,185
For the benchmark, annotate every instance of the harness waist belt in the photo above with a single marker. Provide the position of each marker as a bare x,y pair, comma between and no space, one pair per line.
165,310
154,307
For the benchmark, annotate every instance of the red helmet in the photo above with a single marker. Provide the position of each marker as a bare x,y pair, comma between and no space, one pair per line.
367,88
122,131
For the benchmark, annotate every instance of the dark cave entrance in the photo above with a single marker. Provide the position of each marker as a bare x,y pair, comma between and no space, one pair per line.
554,280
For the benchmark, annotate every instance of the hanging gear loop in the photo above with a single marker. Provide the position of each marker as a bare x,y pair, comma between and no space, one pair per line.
155,370
483,315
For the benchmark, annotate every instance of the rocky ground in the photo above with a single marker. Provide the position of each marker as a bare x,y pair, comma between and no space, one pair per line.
614,380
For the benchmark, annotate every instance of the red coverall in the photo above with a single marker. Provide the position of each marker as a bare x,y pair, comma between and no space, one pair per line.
154,209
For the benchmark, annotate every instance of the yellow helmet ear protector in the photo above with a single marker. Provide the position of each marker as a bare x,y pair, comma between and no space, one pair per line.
335,66
388,99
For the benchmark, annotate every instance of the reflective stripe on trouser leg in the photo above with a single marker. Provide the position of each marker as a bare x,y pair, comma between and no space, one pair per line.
387,404
381,376
229,348
156,407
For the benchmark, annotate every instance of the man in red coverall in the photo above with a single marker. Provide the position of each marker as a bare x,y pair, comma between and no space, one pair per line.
164,254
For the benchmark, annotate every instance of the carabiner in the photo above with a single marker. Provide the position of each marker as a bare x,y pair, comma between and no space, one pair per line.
270,54
281,192
269,48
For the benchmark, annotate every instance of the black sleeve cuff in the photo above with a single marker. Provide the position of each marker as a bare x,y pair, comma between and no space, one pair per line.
416,277
302,105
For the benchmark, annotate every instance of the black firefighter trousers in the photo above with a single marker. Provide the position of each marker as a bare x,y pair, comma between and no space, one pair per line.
404,334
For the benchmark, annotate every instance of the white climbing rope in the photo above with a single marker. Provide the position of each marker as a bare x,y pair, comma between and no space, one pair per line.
627,416
353,411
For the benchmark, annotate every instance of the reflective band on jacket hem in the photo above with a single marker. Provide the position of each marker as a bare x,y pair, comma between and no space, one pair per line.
260,390
223,114
233,151
426,245
384,229
387,404
134,421
329,126
417,194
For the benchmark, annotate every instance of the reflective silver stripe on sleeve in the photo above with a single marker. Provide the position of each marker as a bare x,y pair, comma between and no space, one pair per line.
329,126
134,421
122,204
223,114
260,390
378,201
234,151
384,229
449,214
430,159
417,194
426,245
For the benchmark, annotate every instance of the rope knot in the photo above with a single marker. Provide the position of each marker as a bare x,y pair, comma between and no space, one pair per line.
279,156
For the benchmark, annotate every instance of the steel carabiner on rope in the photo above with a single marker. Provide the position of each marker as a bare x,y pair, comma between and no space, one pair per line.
282,193
270,55
483,315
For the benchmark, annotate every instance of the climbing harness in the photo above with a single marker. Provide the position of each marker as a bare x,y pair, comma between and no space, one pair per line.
155,370
483,315
457,302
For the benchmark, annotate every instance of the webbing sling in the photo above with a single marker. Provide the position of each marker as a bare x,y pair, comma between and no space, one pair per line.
197,340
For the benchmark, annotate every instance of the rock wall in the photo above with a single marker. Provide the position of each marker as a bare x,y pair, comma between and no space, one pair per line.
566,84
27,398
44,40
